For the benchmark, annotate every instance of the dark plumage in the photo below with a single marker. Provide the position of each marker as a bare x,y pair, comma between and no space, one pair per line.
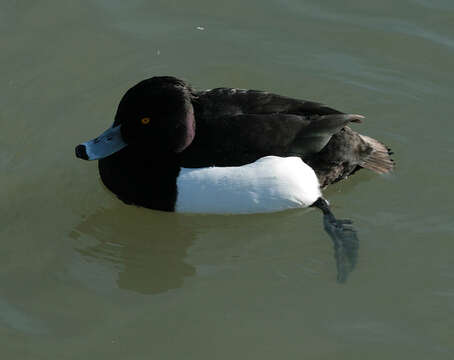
236,127
229,127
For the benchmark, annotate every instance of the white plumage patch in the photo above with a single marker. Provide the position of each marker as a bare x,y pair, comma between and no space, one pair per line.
270,184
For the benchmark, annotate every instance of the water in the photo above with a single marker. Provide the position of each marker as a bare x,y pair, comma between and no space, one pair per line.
84,276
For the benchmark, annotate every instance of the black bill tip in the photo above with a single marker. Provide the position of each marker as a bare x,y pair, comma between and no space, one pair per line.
81,152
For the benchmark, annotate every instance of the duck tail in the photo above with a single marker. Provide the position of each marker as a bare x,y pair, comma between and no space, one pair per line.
379,159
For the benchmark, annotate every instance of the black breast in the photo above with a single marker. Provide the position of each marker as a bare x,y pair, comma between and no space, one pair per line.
139,180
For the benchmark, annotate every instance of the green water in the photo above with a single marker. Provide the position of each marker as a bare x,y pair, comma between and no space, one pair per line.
83,276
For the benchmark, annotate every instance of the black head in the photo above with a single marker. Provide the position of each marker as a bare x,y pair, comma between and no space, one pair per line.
157,113
156,116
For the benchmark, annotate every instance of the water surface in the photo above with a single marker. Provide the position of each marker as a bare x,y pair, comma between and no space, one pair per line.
84,276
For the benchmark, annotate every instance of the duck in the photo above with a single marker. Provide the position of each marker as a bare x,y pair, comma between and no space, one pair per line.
233,151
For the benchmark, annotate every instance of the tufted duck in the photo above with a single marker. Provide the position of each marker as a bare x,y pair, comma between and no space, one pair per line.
227,150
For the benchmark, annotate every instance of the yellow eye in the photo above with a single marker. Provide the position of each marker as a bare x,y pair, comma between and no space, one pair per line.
145,120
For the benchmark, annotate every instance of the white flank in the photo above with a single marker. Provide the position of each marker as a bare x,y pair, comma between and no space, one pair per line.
270,184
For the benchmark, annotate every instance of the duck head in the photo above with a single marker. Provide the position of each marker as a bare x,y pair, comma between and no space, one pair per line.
156,115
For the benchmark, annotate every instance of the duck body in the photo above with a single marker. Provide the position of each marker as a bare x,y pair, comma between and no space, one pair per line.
225,127
229,150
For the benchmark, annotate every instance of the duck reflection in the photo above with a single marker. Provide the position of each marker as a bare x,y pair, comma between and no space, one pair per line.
147,247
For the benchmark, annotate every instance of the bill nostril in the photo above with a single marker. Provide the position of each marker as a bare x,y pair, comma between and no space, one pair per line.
81,152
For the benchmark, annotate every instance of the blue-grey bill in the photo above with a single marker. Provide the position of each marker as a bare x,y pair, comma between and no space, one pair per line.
108,143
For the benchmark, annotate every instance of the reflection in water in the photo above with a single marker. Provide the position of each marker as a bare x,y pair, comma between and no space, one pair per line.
147,247
16,318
